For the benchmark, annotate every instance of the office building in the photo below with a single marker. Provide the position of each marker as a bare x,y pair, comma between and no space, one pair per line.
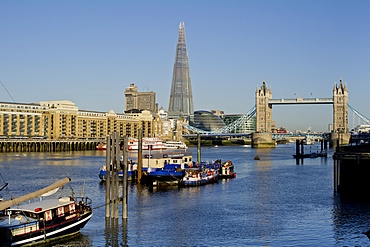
135,100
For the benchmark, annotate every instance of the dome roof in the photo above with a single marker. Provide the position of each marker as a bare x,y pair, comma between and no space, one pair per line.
206,120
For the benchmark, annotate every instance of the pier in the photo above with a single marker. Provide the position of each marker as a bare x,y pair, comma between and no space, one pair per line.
41,145
300,150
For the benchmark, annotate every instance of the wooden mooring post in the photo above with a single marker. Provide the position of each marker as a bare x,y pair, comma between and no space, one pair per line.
125,177
113,167
199,150
140,156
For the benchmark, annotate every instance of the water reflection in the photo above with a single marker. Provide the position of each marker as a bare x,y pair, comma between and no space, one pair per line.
265,216
350,219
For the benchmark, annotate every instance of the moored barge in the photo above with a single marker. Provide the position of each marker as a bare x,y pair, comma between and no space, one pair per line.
42,221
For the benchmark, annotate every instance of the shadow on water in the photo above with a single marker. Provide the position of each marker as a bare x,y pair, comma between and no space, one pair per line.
350,219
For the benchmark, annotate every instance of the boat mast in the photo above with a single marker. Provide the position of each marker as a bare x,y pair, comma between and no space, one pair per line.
9,203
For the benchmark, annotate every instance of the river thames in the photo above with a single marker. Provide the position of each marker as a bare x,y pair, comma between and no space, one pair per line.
272,201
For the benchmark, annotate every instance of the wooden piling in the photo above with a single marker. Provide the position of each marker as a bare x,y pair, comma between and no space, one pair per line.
297,148
199,151
125,177
118,167
140,156
107,184
302,145
113,166
113,178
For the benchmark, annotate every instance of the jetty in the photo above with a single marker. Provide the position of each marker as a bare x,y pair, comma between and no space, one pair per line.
300,150
46,145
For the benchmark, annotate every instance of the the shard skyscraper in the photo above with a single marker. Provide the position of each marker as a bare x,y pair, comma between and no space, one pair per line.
181,98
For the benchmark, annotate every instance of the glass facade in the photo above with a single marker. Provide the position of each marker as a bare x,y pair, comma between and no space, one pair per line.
206,120
247,127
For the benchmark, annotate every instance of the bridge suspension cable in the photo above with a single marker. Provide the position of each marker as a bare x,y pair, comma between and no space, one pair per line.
234,125
361,116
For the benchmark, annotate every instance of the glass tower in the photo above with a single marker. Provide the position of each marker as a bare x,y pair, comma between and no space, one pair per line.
181,98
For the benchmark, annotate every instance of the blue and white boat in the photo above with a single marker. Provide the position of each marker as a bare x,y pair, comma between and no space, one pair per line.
199,176
170,173
132,170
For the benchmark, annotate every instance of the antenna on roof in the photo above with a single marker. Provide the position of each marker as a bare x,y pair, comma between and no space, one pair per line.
7,91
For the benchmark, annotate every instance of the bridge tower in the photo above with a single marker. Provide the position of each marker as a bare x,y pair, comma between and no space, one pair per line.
263,135
263,109
340,133
340,108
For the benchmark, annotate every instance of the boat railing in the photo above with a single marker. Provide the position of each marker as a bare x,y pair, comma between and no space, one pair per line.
84,200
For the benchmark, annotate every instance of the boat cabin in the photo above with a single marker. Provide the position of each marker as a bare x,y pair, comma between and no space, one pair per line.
160,159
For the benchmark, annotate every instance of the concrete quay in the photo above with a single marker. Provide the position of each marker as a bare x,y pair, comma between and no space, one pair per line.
31,145
351,172
339,139
263,140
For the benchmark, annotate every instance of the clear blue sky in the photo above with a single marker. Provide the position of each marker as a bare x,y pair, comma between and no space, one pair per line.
90,51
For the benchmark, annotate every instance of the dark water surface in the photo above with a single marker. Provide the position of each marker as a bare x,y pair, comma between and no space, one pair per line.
271,202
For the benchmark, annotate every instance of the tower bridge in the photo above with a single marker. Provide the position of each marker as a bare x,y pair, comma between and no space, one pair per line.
263,111
264,102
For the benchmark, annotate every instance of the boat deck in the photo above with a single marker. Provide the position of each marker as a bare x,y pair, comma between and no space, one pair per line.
15,220
43,205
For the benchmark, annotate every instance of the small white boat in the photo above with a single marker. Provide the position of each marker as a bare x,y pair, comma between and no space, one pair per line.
227,170
148,144
309,140
175,145
155,144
